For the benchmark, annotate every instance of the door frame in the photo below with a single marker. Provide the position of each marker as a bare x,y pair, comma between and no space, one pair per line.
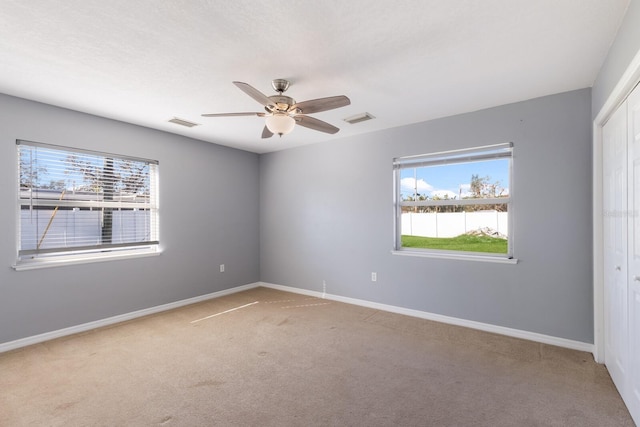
623,88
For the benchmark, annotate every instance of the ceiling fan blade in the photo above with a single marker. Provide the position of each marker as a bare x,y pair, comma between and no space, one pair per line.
254,93
233,114
266,133
315,124
322,104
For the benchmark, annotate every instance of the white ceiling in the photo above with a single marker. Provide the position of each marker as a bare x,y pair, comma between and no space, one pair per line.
404,61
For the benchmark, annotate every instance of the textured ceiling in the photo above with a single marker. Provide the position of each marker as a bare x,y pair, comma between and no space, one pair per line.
406,61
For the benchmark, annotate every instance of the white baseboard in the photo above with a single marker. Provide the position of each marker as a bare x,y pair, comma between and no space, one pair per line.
516,333
23,342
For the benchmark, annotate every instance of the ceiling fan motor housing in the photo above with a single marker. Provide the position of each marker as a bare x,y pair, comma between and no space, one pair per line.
282,103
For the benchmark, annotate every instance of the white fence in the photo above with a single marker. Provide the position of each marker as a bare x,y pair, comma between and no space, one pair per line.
75,228
453,224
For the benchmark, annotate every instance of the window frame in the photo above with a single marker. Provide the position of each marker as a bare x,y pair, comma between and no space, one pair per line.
29,258
451,157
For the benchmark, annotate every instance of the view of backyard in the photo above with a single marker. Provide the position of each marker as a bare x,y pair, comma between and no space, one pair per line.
467,243
457,200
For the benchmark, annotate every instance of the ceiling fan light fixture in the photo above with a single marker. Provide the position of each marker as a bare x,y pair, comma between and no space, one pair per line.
281,124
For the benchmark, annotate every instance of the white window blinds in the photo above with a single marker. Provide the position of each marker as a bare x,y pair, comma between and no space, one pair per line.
73,201
488,152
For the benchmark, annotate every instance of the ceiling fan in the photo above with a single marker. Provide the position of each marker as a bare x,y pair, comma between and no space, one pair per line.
283,112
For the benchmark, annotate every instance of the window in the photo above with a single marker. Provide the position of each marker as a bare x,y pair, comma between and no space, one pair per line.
455,203
78,205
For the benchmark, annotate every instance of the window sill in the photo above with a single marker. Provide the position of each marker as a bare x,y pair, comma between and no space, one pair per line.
81,259
464,256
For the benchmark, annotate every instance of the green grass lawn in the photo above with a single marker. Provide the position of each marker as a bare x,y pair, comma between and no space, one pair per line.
459,243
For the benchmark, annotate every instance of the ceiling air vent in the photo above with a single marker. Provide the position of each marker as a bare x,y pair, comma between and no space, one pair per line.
359,118
183,122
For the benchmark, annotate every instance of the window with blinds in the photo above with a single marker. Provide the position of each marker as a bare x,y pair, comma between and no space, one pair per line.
78,204
455,202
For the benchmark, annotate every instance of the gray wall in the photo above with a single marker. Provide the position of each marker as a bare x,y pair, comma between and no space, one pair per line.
623,50
38,301
326,214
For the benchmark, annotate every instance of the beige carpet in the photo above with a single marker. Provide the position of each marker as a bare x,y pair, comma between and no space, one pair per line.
270,358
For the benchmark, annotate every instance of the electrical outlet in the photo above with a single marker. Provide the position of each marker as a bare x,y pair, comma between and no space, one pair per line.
221,268
374,277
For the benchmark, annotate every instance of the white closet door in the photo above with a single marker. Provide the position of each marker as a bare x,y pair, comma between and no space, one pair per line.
615,134
633,387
